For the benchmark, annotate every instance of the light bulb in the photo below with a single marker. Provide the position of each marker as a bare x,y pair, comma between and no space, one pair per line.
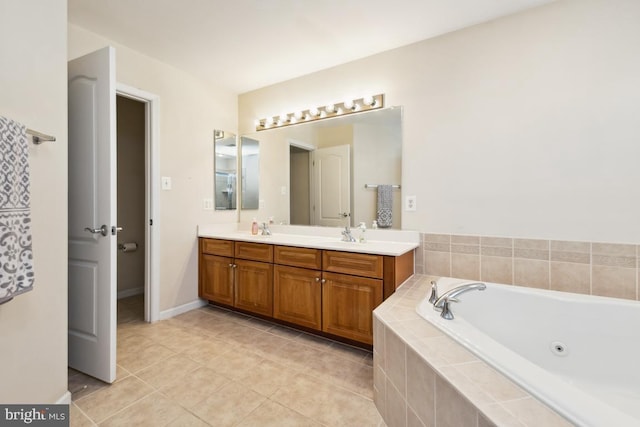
348,104
268,121
284,118
257,123
330,108
298,115
314,111
369,100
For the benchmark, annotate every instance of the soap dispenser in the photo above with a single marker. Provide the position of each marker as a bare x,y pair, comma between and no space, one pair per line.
362,227
254,227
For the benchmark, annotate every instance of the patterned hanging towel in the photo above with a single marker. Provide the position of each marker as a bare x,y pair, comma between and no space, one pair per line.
385,206
16,256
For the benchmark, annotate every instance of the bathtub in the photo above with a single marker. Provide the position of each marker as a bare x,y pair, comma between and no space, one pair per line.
578,354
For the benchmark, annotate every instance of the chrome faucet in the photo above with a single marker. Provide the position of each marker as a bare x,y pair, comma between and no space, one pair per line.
265,229
346,234
442,303
433,297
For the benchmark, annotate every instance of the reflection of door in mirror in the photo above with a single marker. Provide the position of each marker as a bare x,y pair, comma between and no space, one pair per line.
225,168
250,173
331,185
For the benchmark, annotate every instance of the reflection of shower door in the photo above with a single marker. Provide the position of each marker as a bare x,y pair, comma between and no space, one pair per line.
332,185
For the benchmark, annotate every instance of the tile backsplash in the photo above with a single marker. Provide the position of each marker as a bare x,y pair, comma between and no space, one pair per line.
604,269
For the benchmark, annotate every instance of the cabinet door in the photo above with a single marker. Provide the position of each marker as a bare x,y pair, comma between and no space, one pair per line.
297,296
216,281
254,286
348,303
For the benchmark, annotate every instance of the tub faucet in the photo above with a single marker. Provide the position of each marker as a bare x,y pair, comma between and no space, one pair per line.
442,303
433,297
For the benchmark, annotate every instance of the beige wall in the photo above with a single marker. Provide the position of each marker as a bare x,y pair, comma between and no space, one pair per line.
189,112
524,126
131,192
33,84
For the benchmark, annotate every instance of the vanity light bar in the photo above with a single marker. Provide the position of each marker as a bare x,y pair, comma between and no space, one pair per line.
347,107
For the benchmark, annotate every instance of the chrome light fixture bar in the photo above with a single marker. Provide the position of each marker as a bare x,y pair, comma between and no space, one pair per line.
347,107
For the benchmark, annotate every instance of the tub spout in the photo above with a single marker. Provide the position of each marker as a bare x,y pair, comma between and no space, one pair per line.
450,296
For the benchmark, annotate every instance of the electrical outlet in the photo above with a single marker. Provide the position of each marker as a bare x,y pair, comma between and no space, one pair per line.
410,203
207,204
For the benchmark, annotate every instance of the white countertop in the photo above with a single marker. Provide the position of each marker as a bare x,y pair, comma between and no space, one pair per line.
379,242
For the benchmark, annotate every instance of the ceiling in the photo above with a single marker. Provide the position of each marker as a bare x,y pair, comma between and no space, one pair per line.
248,44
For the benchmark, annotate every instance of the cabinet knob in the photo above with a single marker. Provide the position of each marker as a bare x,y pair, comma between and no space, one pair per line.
230,265
317,279
323,281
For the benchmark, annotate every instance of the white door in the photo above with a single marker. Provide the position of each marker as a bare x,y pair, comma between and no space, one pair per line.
92,214
332,185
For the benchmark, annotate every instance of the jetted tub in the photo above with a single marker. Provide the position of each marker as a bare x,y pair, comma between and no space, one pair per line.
578,354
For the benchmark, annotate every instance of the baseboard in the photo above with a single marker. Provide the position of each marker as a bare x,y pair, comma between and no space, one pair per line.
65,399
130,292
172,312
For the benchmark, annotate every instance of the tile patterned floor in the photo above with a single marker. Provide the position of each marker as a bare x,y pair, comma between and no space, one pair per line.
213,367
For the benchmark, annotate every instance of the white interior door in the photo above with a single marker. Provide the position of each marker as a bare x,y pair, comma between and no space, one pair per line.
92,214
332,185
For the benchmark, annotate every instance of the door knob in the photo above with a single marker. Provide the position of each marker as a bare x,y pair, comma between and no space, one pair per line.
115,230
104,230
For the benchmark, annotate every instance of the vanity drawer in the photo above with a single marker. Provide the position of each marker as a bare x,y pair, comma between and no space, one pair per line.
254,251
298,257
217,247
356,264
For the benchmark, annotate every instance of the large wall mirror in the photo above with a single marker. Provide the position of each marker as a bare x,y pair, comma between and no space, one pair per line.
312,173
225,170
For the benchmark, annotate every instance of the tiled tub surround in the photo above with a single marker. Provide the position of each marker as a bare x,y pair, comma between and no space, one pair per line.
603,269
422,377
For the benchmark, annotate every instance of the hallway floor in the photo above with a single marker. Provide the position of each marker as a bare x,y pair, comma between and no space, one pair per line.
214,367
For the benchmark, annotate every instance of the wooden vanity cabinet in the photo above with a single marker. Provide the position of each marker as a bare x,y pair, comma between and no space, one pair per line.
297,286
254,286
333,292
348,303
237,274
216,271
352,289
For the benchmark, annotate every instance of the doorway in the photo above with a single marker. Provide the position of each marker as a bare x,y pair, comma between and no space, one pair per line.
142,168
131,128
300,186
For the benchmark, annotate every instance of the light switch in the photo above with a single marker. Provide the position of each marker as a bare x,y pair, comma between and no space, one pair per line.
166,183
207,204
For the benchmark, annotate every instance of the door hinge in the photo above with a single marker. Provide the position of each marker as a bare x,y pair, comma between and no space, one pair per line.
150,222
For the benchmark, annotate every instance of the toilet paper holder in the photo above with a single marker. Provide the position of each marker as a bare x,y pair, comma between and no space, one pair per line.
128,247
